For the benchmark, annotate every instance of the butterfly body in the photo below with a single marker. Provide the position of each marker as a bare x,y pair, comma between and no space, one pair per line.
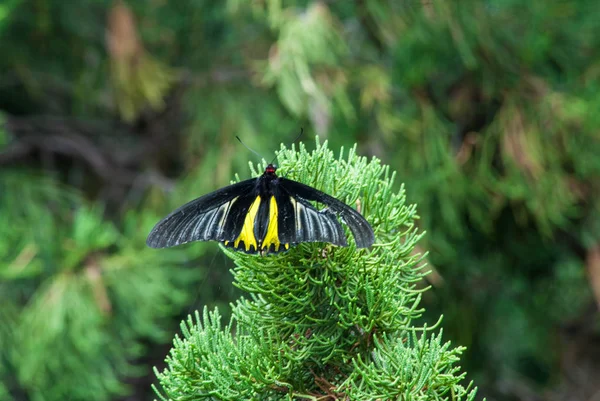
263,215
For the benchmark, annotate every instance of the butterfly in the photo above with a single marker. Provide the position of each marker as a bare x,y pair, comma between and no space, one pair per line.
262,215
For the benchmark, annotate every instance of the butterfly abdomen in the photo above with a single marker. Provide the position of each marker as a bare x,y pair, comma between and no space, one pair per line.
259,232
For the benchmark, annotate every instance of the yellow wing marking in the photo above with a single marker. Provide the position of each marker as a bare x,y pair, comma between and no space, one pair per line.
247,233
272,235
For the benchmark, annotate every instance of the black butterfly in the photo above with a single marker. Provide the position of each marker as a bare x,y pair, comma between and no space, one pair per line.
262,215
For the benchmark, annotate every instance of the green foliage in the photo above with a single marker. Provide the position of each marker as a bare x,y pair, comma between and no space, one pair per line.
303,63
323,321
416,368
506,179
487,111
139,81
69,283
5,10
520,152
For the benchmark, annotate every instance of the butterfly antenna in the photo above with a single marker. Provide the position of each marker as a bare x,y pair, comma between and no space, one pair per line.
294,141
251,150
299,135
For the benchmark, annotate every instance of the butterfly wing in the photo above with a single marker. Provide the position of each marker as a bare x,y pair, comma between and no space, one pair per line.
319,225
299,221
257,215
217,216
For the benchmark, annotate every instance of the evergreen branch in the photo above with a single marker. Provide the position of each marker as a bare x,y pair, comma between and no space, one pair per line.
70,283
323,322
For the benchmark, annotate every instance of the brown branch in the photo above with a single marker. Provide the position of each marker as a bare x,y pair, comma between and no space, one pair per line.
70,137
369,25
14,152
593,269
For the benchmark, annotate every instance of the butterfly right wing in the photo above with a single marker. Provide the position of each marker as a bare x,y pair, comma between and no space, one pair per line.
205,218
360,227
299,221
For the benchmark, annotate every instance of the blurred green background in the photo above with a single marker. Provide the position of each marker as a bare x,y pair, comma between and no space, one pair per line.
112,113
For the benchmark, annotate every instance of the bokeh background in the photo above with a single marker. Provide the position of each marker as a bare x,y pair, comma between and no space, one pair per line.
112,113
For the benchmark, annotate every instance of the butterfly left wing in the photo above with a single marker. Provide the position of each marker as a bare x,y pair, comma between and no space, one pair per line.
361,229
214,216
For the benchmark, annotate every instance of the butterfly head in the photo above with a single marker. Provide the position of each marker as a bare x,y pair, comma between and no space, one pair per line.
271,168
